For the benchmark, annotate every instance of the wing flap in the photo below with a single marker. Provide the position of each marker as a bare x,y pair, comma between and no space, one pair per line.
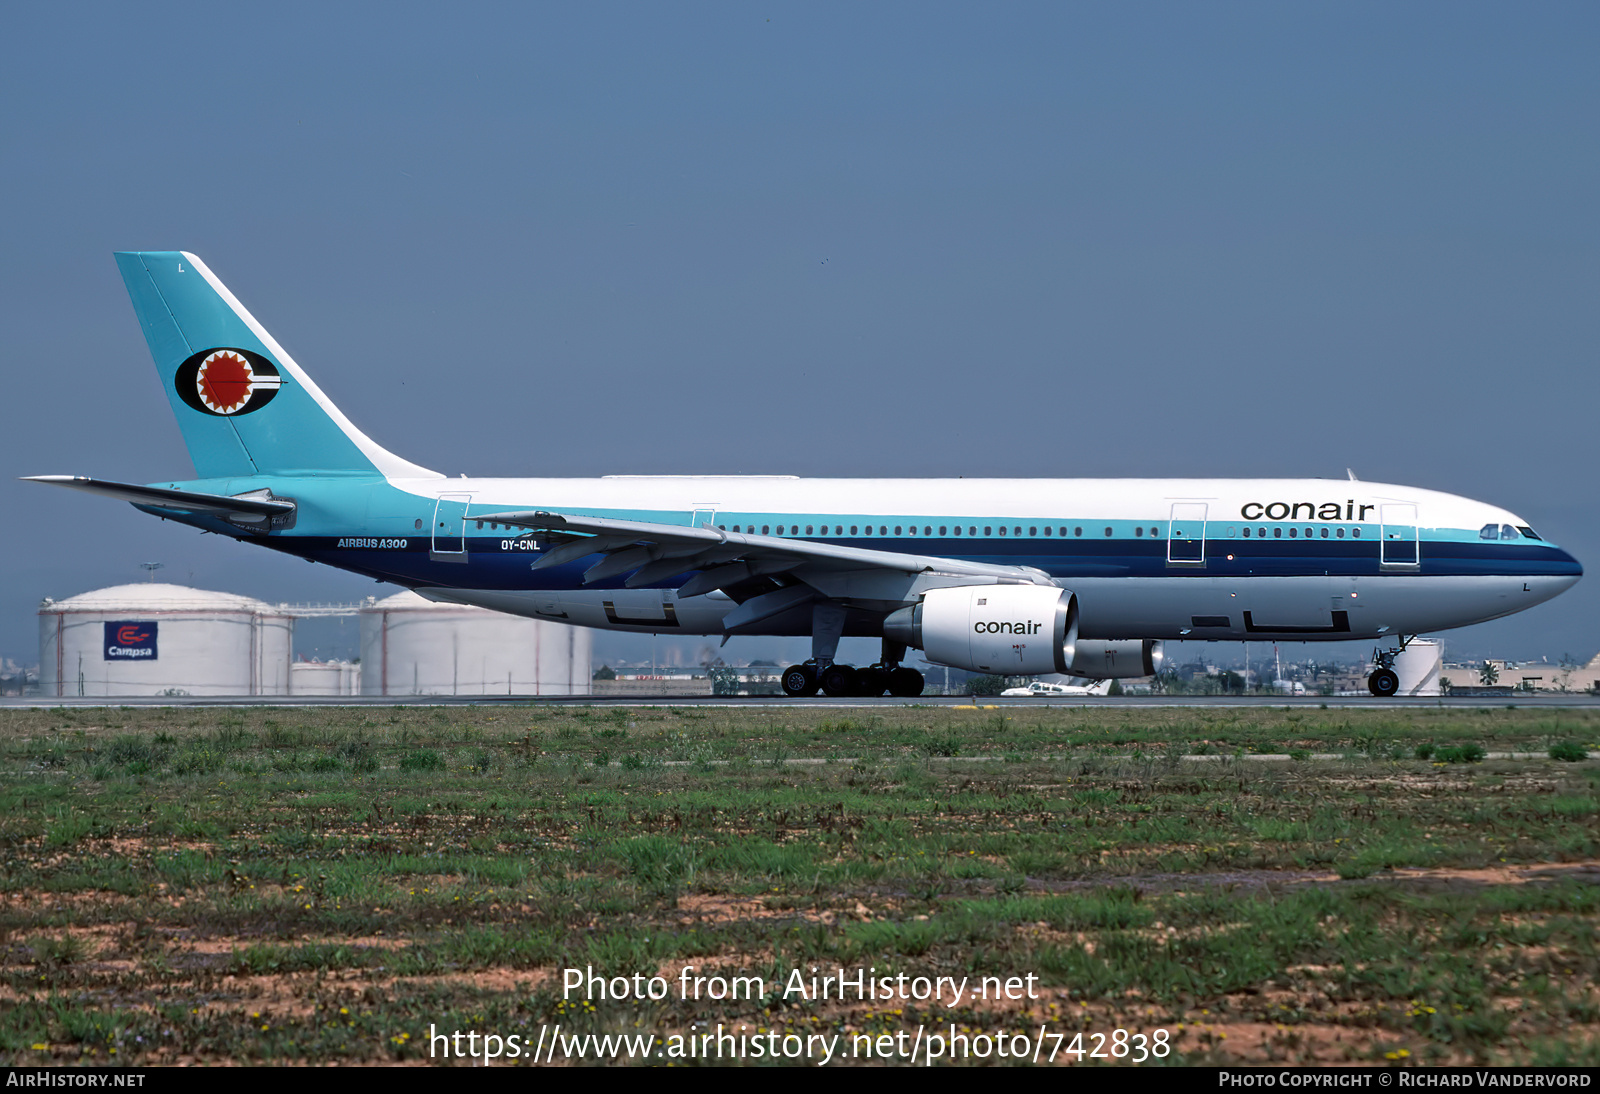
644,546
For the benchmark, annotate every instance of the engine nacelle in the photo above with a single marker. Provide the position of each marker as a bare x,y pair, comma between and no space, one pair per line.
1013,630
1113,660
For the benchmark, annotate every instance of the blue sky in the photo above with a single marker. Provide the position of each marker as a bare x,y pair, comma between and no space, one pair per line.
920,239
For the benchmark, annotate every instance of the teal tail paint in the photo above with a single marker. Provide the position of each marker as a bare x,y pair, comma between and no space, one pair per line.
244,406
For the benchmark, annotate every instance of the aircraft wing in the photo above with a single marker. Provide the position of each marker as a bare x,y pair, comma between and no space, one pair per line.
257,507
655,552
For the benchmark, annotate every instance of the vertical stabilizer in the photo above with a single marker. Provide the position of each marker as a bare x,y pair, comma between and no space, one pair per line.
243,405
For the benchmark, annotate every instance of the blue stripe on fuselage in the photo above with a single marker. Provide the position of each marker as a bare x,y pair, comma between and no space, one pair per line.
488,566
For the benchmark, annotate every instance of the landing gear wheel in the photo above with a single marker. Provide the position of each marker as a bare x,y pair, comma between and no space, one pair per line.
905,683
839,681
1383,683
799,681
871,682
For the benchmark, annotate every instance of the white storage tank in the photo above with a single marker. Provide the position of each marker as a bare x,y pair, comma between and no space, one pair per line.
154,639
1419,667
413,646
331,678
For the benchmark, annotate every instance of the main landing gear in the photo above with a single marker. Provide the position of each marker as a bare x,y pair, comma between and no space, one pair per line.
845,681
1383,681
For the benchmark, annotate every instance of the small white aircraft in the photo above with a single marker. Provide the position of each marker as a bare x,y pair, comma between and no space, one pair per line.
1043,689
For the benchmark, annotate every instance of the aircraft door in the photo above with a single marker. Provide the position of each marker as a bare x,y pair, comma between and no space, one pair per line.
703,517
1398,537
450,528
1186,535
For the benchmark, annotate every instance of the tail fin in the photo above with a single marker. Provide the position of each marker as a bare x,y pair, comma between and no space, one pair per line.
244,406
1102,687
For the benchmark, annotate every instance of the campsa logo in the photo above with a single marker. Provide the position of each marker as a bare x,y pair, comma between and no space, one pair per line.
130,641
227,382
992,627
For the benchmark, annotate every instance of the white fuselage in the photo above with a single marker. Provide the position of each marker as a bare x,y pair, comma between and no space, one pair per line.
1307,559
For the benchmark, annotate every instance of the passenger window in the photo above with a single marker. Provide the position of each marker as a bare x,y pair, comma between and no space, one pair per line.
942,528
1277,533
1077,531
1155,531
764,528
1002,529
988,530
852,529
928,530
972,531
1108,531
1340,533
958,529
882,531
897,529
1356,532
1015,531
808,529
1293,532
1047,531
1033,531
1324,533
1139,531
869,529
1489,531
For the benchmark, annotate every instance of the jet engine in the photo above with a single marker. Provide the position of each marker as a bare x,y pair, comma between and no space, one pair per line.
1014,630
1111,660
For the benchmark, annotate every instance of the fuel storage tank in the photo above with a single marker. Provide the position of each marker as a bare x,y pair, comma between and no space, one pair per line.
1419,667
329,678
155,639
413,646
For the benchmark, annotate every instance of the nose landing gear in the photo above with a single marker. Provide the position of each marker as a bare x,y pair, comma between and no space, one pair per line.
1383,681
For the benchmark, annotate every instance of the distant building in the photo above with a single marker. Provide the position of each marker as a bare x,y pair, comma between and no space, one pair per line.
1526,675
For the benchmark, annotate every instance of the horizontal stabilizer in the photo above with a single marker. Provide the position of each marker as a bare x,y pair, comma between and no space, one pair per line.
257,507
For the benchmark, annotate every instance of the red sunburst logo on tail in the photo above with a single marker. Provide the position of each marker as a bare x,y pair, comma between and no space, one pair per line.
228,381
224,381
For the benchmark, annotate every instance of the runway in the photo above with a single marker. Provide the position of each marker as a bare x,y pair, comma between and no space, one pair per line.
1535,700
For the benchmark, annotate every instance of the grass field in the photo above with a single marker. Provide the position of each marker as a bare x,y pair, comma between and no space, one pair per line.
325,885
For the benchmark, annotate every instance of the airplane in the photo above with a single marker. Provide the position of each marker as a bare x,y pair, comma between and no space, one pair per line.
1081,577
1044,689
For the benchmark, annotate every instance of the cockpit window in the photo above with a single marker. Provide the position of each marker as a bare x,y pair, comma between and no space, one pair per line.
1507,532
1528,533
1489,531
